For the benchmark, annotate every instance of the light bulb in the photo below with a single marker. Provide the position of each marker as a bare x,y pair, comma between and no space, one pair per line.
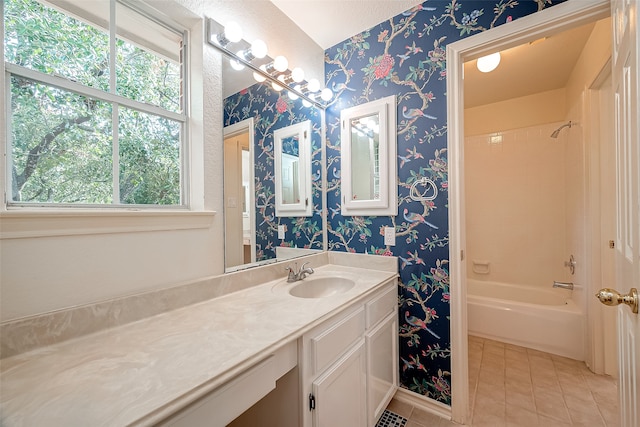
306,103
293,96
259,49
280,63
259,77
488,63
313,85
297,74
233,32
326,94
236,65
276,86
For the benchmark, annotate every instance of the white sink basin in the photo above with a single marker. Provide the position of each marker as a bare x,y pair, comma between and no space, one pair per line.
321,287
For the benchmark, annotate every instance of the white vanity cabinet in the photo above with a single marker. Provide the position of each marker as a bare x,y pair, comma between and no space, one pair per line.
349,363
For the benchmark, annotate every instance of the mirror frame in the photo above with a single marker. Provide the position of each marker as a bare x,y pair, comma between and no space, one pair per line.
387,204
304,207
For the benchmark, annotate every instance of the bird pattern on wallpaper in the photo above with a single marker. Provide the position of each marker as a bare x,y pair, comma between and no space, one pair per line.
273,110
405,56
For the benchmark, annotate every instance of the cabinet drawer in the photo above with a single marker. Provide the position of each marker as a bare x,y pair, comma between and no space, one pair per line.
335,340
382,305
224,404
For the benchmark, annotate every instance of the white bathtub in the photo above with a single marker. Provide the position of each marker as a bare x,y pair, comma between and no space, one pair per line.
539,318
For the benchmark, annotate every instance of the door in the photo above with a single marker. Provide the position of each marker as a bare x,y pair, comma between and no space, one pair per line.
625,87
382,369
339,393
233,201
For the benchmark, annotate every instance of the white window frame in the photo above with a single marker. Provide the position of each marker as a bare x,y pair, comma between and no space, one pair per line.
116,100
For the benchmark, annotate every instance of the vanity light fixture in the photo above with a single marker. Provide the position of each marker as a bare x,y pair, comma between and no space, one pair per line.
236,65
326,94
292,95
488,63
276,72
276,86
258,50
313,85
297,74
232,33
260,77
280,63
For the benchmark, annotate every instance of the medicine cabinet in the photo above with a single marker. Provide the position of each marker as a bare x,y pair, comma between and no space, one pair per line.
368,158
292,159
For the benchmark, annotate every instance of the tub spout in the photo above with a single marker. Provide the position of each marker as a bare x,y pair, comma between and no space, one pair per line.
563,285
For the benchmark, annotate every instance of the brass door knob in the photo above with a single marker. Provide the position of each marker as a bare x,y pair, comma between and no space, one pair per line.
612,297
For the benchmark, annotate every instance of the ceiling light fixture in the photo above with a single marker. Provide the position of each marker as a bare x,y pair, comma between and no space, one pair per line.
488,63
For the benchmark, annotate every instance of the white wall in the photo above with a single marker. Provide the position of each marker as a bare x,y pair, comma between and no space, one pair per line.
41,271
515,203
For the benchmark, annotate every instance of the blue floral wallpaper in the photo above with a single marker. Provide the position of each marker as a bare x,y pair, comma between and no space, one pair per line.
273,110
405,56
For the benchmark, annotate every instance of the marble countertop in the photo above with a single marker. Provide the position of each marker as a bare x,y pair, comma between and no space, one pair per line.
142,372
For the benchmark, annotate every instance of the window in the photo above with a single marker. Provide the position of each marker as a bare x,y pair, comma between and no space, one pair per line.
95,105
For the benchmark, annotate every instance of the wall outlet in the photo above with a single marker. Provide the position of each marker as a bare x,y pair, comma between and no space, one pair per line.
281,232
390,236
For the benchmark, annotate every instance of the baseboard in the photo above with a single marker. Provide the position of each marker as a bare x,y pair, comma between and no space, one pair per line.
424,403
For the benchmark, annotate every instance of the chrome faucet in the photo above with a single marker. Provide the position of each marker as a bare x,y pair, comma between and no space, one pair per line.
294,275
563,285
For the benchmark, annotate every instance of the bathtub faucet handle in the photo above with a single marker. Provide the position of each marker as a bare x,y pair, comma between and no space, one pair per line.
571,264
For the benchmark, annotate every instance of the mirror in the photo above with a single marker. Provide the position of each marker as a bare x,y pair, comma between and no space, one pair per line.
368,158
292,166
259,227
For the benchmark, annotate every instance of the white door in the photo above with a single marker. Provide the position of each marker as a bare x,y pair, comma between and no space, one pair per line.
625,87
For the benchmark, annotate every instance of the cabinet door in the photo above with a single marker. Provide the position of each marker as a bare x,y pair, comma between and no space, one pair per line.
339,392
382,370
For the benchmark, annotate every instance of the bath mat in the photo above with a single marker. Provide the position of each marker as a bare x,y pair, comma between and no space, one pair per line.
389,419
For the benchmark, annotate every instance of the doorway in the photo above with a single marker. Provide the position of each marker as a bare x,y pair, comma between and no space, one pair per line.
239,202
553,20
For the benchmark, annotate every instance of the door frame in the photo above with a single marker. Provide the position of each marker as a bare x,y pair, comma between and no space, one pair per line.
601,351
243,126
547,22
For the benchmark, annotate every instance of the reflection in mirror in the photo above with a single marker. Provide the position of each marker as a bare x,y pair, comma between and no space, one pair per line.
368,156
238,185
270,234
292,165
365,158
289,171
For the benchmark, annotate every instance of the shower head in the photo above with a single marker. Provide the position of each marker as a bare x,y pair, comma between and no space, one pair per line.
557,131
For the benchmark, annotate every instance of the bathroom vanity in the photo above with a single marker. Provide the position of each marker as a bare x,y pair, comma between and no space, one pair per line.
305,359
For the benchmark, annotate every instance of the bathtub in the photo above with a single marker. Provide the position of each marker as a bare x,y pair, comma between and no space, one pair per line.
544,319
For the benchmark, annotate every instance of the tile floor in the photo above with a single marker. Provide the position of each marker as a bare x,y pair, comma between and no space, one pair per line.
520,387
